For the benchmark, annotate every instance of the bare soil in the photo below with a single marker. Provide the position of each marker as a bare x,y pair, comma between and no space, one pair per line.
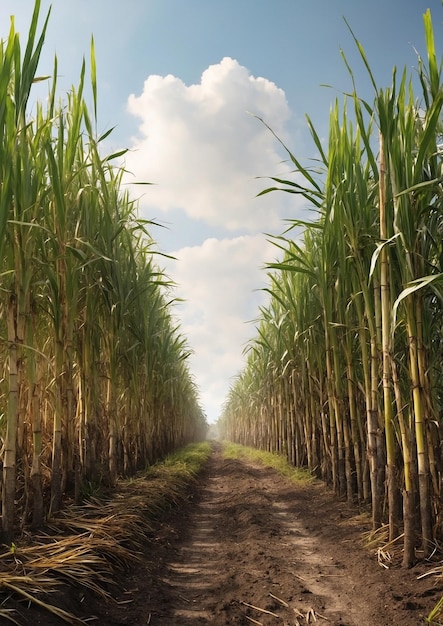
249,547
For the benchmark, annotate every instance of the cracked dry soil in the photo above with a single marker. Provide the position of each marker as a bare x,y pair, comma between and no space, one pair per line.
252,548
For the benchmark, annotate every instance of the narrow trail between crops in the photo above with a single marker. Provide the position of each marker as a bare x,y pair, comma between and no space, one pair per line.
253,548
250,547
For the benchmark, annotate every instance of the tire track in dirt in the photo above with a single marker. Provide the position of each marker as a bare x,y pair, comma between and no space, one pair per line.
190,577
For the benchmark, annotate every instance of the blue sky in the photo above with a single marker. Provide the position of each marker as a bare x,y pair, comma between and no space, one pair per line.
177,78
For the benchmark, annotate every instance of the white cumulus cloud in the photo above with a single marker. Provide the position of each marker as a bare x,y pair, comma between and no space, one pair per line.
203,151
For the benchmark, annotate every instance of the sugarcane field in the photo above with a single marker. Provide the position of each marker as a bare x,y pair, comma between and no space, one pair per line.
316,496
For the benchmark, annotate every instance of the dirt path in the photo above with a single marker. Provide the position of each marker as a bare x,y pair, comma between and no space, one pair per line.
252,548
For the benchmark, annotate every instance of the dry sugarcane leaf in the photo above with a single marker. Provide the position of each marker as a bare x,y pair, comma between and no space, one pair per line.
5,613
253,621
279,600
64,615
257,608
384,558
309,614
322,616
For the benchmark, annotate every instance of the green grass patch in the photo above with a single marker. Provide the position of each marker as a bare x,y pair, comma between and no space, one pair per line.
191,458
435,617
182,466
278,462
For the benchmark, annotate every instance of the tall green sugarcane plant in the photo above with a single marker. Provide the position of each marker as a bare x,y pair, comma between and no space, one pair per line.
95,381
358,298
21,188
